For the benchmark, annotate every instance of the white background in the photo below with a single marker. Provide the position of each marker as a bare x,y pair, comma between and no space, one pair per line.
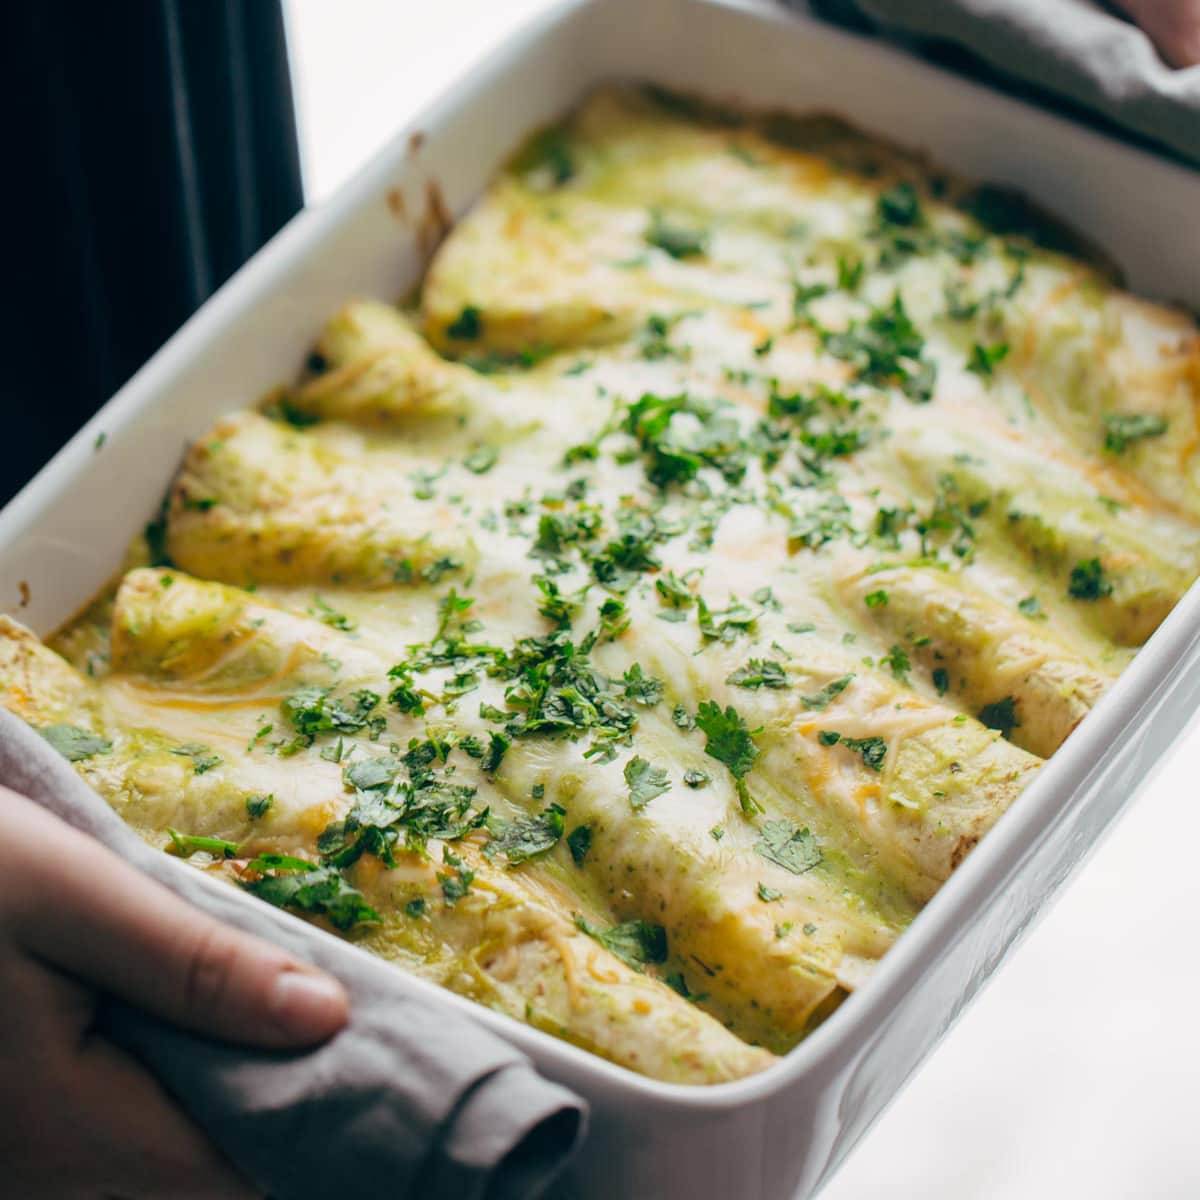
1072,1076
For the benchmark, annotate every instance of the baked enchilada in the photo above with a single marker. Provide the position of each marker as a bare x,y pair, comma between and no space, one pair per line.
634,631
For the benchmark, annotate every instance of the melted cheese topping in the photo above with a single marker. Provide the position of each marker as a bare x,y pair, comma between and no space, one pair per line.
636,633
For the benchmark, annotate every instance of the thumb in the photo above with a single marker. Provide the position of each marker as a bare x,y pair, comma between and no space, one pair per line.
88,912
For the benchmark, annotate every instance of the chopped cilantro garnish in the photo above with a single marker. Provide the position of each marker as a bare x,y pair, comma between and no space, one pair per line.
623,561
456,883
645,781
729,741
185,845
758,673
725,624
548,154
1001,715
951,518
328,615
822,699
259,805
641,688
941,680
467,326
481,460
695,778
821,522
415,908
203,757
876,599
526,837
787,845
579,842
1120,429
1089,581
896,661
73,743
706,434
1031,606
679,241
850,273
768,894
294,883
312,711
635,943
899,205
498,744
674,590
984,359
887,349
872,749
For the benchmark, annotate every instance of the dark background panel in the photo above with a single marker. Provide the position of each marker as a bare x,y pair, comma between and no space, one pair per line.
150,148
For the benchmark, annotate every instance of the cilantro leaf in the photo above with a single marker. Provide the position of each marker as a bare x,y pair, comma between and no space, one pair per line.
759,673
312,710
328,615
1088,581
725,624
185,845
872,749
203,758
259,805
887,349
984,359
467,326
526,837
787,845
323,891
729,741
635,943
73,743
641,688
457,882
481,460
678,241
823,698
899,205
896,660
1001,715
579,842
1120,429
645,781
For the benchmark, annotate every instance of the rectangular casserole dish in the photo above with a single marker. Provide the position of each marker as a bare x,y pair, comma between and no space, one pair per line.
781,1133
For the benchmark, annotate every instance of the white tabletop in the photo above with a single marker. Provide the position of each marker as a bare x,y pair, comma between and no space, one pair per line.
1071,1076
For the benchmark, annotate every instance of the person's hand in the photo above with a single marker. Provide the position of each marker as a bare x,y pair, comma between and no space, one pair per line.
79,1118
1173,26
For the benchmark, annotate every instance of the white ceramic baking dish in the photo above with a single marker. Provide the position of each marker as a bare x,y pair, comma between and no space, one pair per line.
783,1132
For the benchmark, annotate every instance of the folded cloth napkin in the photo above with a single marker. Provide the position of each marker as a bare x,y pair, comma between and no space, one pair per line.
410,1099
1075,48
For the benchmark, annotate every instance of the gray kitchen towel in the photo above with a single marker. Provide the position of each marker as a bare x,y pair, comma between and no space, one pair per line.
410,1099
1075,48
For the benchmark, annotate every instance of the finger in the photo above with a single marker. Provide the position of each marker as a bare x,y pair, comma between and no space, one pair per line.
162,1154
83,1119
69,900
1172,25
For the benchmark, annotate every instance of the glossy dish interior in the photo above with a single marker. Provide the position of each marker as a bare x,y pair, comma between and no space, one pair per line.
634,631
